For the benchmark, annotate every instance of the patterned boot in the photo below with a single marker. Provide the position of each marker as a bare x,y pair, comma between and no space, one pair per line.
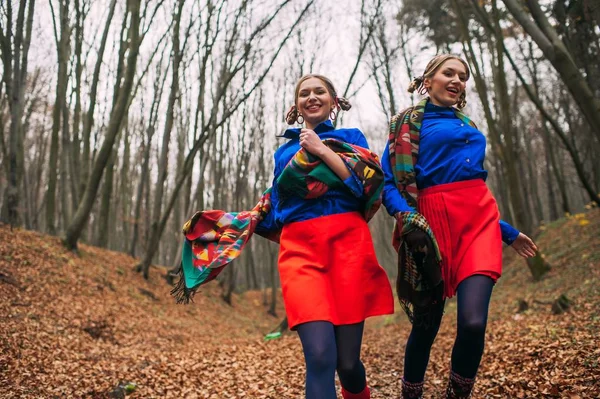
412,390
459,387
365,394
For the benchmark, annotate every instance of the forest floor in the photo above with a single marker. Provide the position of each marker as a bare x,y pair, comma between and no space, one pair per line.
87,325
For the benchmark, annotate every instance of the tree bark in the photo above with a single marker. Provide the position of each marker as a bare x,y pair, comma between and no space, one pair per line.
104,216
62,48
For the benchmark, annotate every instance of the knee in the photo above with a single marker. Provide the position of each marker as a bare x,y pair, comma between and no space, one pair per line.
423,337
348,366
321,359
472,326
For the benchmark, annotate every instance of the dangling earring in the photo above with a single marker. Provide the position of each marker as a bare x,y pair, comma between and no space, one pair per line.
300,119
332,114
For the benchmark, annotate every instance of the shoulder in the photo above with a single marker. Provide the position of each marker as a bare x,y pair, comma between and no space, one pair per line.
351,135
349,131
400,115
281,149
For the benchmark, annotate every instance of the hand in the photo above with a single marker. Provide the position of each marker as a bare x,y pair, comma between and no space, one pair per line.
418,240
524,246
311,142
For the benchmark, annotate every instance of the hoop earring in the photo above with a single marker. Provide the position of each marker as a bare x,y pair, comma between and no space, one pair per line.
300,119
332,114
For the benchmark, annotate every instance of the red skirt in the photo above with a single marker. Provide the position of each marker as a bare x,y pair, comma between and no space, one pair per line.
329,271
465,220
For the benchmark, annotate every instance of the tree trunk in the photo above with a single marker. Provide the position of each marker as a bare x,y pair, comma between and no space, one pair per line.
176,57
75,157
118,113
533,181
104,218
552,209
15,57
63,49
88,122
228,284
126,193
65,152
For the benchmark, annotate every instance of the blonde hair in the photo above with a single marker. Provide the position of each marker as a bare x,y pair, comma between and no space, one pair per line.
418,83
340,102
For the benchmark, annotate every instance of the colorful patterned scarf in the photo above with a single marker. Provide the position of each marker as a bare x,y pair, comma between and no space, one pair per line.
213,239
419,283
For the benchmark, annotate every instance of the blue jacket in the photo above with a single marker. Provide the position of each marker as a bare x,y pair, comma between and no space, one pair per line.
296,209
449,151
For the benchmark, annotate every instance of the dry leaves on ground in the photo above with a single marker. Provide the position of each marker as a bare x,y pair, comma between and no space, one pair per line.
88,326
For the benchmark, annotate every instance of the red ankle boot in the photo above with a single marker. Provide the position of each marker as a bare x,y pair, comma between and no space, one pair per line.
365,394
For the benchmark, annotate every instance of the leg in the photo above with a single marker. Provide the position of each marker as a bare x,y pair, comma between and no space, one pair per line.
474,295
418,346
349,367
320,354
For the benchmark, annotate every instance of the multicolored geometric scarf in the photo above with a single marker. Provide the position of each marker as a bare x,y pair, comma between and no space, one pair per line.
419,283
213,239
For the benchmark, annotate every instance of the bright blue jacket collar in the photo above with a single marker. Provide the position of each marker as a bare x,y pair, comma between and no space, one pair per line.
322,127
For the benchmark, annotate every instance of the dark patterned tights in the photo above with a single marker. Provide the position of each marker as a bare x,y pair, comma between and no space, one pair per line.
473,299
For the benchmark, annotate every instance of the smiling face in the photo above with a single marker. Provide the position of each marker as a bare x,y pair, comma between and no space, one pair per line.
314,102
447,84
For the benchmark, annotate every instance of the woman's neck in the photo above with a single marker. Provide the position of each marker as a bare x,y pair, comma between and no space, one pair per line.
433,101
312,126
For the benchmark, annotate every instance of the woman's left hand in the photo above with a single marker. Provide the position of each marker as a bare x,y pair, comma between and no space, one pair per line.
311,142
524,246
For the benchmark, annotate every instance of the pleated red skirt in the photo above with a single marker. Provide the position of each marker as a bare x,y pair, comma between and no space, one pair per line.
329,271
465,220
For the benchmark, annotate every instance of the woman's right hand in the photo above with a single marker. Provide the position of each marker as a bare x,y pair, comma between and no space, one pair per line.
310,141
418,240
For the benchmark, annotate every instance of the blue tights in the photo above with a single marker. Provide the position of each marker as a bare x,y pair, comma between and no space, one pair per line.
328,348
473,299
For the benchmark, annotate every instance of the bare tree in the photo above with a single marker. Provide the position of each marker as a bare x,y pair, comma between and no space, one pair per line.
93,95
118,112
62,34
14,50
217,117
536,24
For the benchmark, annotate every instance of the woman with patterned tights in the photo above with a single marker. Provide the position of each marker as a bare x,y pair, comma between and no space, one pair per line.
434,172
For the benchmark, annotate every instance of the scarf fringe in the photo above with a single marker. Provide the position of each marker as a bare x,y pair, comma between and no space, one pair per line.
424,317
180,291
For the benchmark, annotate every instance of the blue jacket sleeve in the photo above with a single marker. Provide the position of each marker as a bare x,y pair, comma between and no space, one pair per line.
271,223
353,182
392,199
509,233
